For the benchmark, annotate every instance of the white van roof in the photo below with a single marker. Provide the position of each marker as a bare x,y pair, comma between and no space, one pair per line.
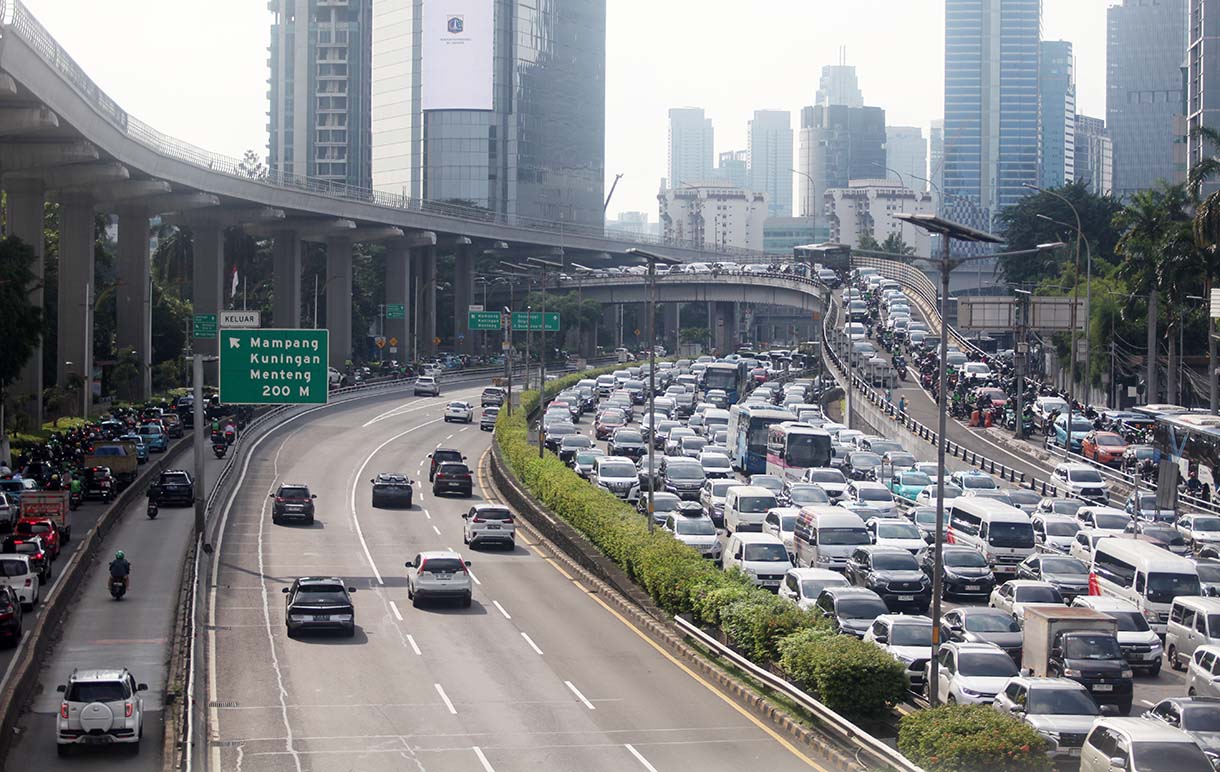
990,509
1145,555
756,538
750,490
831,516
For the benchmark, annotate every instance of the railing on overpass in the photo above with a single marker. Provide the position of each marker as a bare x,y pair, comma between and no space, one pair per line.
800,283
17,19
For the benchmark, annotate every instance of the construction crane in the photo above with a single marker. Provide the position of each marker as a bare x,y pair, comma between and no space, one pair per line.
610,195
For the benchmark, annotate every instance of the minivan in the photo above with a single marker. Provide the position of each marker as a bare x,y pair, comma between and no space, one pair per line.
762,557
1148,576
1193,622
826,535
745,506
1001,532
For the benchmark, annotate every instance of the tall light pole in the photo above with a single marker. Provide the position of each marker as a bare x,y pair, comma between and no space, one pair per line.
948,231
652,260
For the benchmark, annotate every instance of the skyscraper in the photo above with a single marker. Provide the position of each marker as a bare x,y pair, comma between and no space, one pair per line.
321,61
1145,49
1203,76
906,152
501,107
838,144
771,159
839,86
692,146
733,169
936,155
1094,155
1057,85
991,106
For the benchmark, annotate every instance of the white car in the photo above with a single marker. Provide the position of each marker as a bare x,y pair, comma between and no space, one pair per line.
333,377
1084,543
827,478
1016,595
875,495
1080,480
617,475
974,480
762,557
489,523
780,522
1055,533
100,707
16,573
927,496
459,411
1109,521
440,575
426,384
698,533
803,585
976,371
972,673
908,639
896,532
1199,530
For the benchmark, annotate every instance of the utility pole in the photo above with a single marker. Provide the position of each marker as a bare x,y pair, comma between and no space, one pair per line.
1022,353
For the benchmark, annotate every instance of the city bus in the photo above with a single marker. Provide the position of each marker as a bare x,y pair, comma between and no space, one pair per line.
748,427
729,376
1187,441
793,448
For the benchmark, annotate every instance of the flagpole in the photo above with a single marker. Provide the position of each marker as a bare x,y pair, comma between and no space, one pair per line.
243,293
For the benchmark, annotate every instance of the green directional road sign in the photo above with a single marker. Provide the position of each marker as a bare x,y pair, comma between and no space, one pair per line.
274,367
484,320
204,327
536,321
395,311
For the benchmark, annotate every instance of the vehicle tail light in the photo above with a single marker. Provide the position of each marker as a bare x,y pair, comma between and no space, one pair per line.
39,556
477,520
63,710
508,520
279,499
29,582
128,710
423,566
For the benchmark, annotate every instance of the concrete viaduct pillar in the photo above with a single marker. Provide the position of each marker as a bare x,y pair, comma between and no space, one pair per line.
75,327
286,281
671,317
339,299
401,256
133,328
207,284
425,301
463,292
26,198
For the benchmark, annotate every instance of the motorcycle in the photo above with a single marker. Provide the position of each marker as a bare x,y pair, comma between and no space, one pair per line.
118,587
220,449
74,500
152,509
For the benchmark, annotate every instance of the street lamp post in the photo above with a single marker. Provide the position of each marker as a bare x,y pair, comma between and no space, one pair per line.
1022,352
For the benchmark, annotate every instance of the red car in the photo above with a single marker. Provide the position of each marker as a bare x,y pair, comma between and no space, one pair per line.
1104,447
44,527
607,421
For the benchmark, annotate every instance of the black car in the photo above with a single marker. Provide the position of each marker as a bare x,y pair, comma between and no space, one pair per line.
319,603
983,625
850,609
555,433
627,442
440,456
964,571
11,615
98,483
293,500
681,476
862,465
392,490
572,444
174,487
1067,574
893,573
453,477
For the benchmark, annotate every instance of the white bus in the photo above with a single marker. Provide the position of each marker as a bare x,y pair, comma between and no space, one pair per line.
792,448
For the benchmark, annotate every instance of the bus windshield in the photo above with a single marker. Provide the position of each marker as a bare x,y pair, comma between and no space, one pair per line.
723,378
808,450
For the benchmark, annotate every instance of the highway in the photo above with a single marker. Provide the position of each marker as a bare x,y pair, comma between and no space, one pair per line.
537,674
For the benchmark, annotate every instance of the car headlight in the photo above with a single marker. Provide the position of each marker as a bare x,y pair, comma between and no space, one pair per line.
1072,673
1151,615
970,692
1127,674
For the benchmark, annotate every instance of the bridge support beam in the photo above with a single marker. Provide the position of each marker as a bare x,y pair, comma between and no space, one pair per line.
671,318
25,221
463,291
133,328
723,333
398,292
74,355
286,266
207,283
425,301
339,300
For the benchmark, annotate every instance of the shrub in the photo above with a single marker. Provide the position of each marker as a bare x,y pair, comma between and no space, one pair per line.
850,676
712,603
966,738
757,622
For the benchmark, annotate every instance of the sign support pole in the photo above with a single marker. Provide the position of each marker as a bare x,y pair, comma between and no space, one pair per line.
200,445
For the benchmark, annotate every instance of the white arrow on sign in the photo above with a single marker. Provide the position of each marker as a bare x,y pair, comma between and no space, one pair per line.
234,343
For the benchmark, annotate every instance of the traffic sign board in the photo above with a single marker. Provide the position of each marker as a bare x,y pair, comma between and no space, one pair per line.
273,367
436,341
240,319
535,320
204,326
483,320
393,342
395,311
380,341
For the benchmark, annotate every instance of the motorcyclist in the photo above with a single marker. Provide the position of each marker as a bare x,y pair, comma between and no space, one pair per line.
120,568
230,432
55,484
75,487
1193,486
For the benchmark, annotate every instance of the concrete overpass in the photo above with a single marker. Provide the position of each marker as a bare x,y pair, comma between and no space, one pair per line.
63,139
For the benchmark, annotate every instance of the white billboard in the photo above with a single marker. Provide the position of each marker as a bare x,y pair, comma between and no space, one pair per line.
456,66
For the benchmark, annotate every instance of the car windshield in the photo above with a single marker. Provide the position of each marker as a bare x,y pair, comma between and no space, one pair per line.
808,494
96,691
1085,646
897,530
576,441
787,523
861,608
494,513
842,536
895,561
1111,522
1205,524
721,487
951,491
1017,535
442,565
1064,566
1109,440
588,457
665,502
696,526
451,468
1061,528
965,559
1168,757
618,470
1208,572
991,622
825,476
1066,507
915,479
294,493
1084,475
629,437
685,472
978,482
715,461
755,504
765,553
875,494
1130,621
1060,702
995,665
1201,718
321,589
1037,594
864,460
1163,587
885,446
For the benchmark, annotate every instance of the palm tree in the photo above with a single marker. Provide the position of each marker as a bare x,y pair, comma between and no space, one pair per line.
1207,229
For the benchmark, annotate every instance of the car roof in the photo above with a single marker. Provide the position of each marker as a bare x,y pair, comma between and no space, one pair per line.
816,573
440,554
1143,730
1050,683
880,549
756,538
964,646
1028,583
901,619
390,476
293,485
99,674
319,580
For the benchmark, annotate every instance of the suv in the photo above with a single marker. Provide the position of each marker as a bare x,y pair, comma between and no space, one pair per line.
36,549
971,673
893,573
1059,709
459,411
10,615
493,396
100,707
293,500
1136,745
173,487
850,609
439,574
487,418
426,384
489,523
319,603
440,456
451,477
391,488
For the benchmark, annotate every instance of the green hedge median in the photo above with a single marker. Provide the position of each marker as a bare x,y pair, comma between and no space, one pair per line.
967,738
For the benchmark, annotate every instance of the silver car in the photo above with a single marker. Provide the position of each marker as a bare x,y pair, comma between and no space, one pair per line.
489,524
100,707
439,575
1059,709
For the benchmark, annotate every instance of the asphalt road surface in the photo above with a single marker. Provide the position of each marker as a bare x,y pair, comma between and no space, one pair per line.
536,675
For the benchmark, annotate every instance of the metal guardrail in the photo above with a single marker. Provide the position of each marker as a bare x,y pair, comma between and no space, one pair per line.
845,729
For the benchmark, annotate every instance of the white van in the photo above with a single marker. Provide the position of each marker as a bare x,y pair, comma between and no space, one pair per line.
1148,576
1193,622
745,507
825,536
761,556
714,420
1003,533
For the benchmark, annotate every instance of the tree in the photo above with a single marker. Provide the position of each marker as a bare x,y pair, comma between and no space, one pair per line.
20,319
868,241
252,166
1025,230
895,245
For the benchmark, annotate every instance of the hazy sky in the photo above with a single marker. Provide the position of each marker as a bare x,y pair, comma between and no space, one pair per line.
197,69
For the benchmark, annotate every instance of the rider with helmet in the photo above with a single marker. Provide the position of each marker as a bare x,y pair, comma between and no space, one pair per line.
119,567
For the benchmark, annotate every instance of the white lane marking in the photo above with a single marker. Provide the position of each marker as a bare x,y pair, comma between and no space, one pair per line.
438,531
396,411
427,514
358,476
579,696
397,613
1147,703
449,438
496,603
472,576
487,767
8,671
465,429
640,758
414,645
445,699
530,641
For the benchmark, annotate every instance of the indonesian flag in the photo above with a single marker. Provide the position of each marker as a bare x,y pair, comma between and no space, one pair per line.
1094,587
233,285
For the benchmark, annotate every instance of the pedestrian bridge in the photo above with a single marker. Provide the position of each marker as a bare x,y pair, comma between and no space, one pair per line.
723,287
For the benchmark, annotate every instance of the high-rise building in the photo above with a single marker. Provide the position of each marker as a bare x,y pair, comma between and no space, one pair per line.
1057,85
991,106
867,207
770,155
1203,77
1094,155
321,73
906,155
501,107
839,86
733,169
713,216
1145,49
692,148
838,144
936,155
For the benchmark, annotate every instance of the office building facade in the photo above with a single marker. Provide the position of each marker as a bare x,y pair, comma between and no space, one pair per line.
867,207
1057,86
1202,77
1145,49
936,155
733,169
320,90
713,216
906,154
837,144
535,149
839,86
692,147
770,158
1094,155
